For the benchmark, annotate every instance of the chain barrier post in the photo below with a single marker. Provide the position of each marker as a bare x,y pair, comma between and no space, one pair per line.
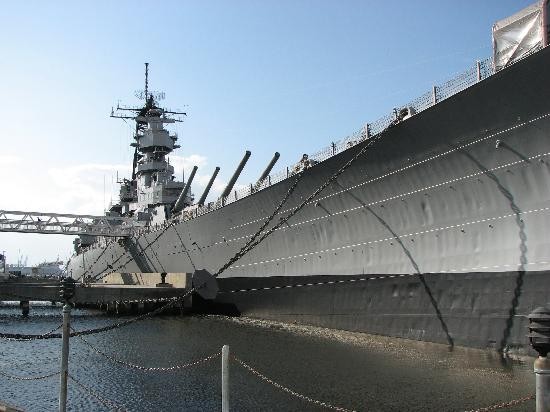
225,378
539,337
66,293
542,384
64,358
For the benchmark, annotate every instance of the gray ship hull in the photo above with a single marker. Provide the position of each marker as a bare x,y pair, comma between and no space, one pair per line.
438,232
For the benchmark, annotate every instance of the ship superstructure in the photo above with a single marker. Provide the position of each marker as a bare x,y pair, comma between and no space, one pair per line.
153,189
44,269
151,192
436,230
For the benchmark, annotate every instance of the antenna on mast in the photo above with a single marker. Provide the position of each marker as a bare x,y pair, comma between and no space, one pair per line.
144,94
146,79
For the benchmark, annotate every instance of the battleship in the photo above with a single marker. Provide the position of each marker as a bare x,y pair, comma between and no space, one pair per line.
52,269
429,223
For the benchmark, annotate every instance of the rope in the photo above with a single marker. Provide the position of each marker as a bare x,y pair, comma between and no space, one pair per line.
149,369
504,404
105,402
288,390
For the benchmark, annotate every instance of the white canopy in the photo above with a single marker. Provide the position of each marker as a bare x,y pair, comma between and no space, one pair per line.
519,35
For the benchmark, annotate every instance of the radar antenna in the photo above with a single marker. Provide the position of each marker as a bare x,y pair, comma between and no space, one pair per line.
146,94
146,79
141,114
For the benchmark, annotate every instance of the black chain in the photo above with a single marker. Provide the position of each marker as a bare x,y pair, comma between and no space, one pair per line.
149,368
287,389
185,249
503,405
95,261
174,300
23,337
142,253
28,378
247,247
250,244
105,402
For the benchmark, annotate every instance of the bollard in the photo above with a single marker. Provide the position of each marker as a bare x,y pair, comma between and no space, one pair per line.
25,307
542,383
539,336
225,378
64,358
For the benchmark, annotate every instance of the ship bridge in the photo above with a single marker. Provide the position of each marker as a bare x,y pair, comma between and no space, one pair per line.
65,224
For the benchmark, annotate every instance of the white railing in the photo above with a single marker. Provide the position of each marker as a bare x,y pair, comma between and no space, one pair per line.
478,72
65,224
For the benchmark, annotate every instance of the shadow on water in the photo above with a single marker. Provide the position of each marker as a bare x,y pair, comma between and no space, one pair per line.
522,246
413,263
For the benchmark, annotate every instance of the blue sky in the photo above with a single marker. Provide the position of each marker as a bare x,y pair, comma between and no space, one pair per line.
287,76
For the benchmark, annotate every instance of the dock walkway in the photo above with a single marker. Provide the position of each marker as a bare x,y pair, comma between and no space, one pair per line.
120,288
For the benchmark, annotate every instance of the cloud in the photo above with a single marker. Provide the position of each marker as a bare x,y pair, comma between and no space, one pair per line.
203,175
9,160
84,189
186,163
78,189
87,188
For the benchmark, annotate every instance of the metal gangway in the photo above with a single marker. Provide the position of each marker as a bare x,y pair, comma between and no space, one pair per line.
65,224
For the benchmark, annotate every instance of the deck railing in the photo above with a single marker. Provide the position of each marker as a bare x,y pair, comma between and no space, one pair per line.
478,72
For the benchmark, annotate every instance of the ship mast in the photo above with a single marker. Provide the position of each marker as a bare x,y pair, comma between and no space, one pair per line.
146,79
141,114
153,182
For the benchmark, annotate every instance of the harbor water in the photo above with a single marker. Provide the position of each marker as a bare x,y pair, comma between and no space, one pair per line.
348,370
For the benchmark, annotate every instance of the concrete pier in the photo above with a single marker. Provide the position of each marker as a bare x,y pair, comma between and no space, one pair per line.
121,292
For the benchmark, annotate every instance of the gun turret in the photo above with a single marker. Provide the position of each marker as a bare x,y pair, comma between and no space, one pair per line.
268,168
181,198
208,186
235,176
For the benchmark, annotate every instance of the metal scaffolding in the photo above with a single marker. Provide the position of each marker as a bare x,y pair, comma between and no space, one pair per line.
65,224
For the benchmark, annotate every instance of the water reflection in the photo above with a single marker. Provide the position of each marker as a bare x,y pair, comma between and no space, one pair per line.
351,370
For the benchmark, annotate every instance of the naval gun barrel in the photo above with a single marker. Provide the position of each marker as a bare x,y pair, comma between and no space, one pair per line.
208,186
267,170
235,176
181,198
